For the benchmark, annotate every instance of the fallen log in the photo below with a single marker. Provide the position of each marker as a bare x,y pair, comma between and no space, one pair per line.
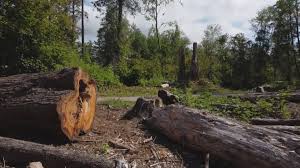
253,97
61,104
259,121
20,153
286,129
244,145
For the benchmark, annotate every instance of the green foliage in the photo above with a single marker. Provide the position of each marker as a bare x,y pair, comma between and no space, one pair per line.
124,91
118,104
234,107
105,148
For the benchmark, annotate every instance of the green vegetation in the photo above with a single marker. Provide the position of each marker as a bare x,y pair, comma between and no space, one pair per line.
118,104
105,148
124,91
234,107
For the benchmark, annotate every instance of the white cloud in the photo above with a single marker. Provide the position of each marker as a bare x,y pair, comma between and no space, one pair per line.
194,16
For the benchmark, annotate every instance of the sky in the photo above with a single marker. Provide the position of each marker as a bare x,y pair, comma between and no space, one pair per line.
193,16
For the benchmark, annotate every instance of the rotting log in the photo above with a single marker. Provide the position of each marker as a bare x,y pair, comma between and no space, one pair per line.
291,122
61,104
244,145
254,97
19,153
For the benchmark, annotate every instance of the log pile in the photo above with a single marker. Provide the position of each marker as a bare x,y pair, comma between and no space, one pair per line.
60,104
242,144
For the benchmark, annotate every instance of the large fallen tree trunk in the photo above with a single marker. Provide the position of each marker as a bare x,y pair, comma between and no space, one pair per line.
19,153
60,103
244,145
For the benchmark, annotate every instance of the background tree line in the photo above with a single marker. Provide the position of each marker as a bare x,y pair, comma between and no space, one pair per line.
42,35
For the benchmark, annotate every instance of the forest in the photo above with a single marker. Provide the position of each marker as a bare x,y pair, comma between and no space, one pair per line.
41,36
154,98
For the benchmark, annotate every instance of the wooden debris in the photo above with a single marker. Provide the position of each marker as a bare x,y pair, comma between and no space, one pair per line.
167,97
18,152
122,146
51,104
35,165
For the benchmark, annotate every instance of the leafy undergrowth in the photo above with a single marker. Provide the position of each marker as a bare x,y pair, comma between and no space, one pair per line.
234,107
128,91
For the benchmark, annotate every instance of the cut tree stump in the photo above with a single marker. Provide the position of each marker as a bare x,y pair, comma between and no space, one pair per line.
57,104
244,145
19,153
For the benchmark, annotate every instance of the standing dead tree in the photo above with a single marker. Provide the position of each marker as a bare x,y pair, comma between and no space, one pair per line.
194,65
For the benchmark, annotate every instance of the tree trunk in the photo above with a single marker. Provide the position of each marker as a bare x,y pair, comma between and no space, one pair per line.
82,28
20,153
194,66
181,66
61,103
244,145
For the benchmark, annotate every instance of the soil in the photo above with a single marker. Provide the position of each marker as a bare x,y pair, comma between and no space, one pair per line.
147,149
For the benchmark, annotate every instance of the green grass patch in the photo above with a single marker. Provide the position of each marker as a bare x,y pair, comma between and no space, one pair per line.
124,91
118,104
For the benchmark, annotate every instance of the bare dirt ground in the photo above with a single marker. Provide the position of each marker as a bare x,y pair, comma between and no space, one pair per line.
148,149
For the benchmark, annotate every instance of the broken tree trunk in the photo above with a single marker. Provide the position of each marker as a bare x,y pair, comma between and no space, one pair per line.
244,145
60,103
260,121
20,153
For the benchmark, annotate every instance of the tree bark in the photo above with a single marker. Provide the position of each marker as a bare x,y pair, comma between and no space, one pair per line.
244,145
60,103
194,66
275,122
20,153
82,28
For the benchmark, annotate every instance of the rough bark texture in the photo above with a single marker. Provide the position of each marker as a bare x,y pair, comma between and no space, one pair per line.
60,103
167,97
259,121
20,153
244,145
194,65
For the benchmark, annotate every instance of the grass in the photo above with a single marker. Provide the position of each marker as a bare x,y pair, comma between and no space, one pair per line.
233,107
124,91
118,104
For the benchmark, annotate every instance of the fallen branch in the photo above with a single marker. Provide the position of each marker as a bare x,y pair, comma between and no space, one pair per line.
286,129
121,146
259,121
20,153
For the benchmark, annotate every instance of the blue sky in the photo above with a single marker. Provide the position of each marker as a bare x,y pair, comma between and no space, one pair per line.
194,16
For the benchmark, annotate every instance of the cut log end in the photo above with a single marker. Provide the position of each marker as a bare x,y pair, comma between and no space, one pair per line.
77,109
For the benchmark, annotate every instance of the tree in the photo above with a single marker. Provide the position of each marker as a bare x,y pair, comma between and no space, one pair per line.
29,29
152,10
131,6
